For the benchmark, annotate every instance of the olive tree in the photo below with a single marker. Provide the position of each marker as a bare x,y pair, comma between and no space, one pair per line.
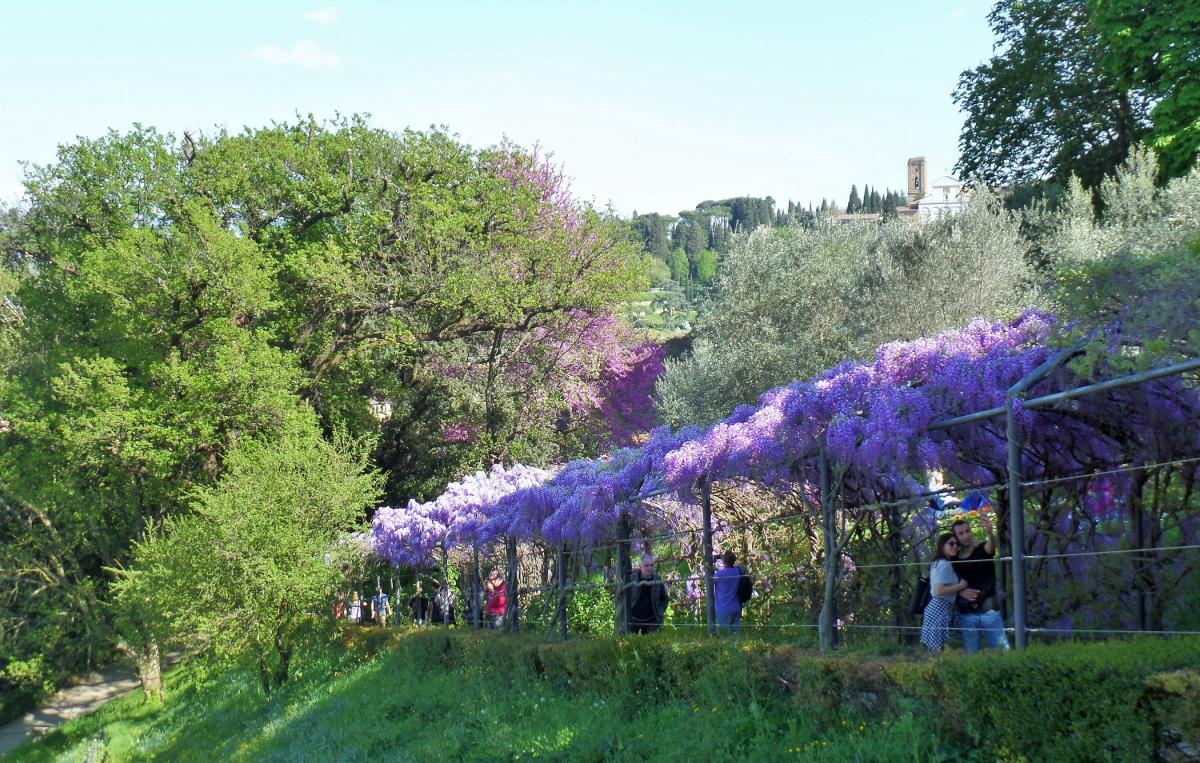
790,302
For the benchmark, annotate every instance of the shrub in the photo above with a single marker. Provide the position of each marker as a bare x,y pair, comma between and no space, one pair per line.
1062,702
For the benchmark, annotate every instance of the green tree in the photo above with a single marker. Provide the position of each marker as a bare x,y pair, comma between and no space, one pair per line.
697,239
381,249
855,203
706,266
1045,105
12,270
180,295
263,553
1137,262
652,230
680,267
1152,47
138,363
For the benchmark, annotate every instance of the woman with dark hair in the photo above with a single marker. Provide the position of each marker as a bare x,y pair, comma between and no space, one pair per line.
944,588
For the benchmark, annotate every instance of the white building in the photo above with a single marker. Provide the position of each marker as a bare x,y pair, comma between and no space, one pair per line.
947,197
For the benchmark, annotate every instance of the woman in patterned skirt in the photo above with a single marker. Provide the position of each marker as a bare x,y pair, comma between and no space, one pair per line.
944,587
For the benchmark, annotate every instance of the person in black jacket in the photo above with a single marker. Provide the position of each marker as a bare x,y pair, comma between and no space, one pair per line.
441,611
980,616
420,606
646,598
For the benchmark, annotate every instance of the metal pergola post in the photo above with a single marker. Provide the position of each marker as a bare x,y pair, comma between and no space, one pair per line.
1016,520
827,622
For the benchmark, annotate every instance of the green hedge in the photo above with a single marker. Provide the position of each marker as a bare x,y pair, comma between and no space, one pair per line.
1121,700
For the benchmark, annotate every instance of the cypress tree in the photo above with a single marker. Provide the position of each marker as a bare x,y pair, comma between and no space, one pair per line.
855,202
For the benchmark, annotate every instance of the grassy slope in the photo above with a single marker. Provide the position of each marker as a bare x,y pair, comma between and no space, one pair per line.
398,695
345,705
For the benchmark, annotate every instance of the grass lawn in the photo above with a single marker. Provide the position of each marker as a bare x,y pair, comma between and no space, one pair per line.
402,694
344,703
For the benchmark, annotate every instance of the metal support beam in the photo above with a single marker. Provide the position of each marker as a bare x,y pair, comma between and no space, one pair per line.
1016,519
1058,397
828,618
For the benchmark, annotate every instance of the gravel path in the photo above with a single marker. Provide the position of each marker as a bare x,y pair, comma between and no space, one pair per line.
85,695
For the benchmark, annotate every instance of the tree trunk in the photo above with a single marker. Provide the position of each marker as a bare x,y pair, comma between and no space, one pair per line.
148,661
281,670
621,578
512,621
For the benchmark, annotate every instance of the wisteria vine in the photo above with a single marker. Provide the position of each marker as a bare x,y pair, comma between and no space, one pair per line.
874,418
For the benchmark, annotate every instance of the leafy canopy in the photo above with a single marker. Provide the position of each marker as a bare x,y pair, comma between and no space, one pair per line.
263,552
1045,105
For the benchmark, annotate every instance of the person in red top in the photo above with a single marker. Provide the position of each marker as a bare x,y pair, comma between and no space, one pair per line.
497,599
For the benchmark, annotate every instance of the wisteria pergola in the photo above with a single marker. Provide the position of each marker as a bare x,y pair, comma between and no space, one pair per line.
861,434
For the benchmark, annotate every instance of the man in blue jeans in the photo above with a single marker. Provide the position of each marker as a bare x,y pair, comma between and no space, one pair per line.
725,584
975,565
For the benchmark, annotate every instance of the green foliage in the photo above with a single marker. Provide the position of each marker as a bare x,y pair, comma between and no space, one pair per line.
1045,104
1152,46
790,302
855,203
652,230
591,611
680,268
706,266
261,556
658,272
1137,262
24,683
135,366
162,299
477,695
1072,702
11,272
1173,699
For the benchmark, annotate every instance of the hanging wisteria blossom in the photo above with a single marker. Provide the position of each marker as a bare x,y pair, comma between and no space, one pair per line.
411,535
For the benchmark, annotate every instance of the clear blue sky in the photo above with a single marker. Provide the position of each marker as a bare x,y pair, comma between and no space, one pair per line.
652,105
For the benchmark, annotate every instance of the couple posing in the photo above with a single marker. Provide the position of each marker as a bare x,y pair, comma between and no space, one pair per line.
962,586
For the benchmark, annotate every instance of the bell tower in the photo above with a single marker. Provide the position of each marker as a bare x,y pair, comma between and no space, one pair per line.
917,180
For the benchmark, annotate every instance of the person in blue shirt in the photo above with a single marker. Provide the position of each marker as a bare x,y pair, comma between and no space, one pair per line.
725,584
382,606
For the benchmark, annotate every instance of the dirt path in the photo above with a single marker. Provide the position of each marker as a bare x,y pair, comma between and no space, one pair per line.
93,690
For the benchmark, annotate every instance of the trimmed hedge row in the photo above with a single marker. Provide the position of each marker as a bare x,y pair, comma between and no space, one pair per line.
1118,700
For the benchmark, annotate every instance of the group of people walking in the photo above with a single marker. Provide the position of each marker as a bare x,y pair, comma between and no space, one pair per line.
430,604
358,609
646,598
962,586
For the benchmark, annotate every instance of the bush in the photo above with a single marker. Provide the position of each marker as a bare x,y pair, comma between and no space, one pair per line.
1118,700
23,683
1061,702
591,611
1173,702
